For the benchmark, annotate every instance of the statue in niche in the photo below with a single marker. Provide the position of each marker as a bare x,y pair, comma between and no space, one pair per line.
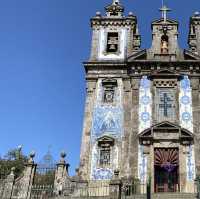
164,44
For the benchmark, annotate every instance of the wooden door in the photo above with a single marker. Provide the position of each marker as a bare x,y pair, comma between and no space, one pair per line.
166,169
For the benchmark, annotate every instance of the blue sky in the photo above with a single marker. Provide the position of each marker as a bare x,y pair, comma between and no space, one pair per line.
42,87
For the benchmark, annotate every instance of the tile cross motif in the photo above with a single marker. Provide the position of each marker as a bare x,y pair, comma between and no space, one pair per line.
165,105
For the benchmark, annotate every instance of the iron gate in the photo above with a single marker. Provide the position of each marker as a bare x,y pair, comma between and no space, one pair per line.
43,183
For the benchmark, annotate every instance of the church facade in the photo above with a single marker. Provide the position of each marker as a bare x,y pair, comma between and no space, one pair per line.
142,109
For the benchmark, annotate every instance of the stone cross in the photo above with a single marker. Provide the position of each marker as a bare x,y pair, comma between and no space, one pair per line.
164,11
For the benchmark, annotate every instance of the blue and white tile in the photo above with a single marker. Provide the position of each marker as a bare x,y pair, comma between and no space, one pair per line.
185,104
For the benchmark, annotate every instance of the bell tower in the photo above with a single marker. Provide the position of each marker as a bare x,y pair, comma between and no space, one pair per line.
164,38
114,36
194,33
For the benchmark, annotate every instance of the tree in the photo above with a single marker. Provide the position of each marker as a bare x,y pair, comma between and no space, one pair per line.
13,158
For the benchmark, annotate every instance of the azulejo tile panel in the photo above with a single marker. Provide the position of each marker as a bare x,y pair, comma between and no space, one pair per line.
190,164
186,121
185,104
107,120
142,165
145,118
145,104
102,174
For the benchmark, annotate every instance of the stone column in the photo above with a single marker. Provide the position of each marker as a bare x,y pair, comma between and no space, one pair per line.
26,182
95,43
87,125
62,178
8,187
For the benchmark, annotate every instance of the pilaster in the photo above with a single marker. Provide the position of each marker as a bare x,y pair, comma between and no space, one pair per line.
87,125
8,187
26,181
115,187
196,123
127,101
62,178
133,153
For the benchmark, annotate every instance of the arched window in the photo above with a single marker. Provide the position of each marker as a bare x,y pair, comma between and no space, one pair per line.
164,44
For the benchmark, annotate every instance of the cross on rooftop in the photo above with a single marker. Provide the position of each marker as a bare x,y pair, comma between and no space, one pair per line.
164,11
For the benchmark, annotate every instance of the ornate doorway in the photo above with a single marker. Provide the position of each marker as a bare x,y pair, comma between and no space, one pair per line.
166,169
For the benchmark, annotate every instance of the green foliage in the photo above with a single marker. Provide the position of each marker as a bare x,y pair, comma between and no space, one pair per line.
13,158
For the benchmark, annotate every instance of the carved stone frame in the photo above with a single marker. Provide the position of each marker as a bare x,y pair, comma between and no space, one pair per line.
167,135
106,40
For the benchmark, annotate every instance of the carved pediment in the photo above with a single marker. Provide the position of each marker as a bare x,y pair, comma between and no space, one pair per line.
165,131
166,124
106,140
166,73
167,22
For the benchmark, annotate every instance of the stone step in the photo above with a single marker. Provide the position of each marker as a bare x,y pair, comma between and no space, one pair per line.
174,196
165,196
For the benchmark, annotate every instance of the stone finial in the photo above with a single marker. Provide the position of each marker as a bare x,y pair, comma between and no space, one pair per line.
116,2
19,147
130,14
197,14
98,14
115,9
12,171
77,171
62,157
31,157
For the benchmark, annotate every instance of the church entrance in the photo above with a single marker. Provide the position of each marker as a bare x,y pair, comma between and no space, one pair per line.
166,169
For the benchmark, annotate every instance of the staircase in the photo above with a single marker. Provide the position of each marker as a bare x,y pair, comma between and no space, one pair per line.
166,196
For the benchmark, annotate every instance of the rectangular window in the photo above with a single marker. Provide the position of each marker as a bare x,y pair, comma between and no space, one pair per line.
105,156
165,104
112,42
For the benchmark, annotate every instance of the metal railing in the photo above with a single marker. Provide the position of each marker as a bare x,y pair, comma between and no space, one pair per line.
42,191
100,190
198,187
136,189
